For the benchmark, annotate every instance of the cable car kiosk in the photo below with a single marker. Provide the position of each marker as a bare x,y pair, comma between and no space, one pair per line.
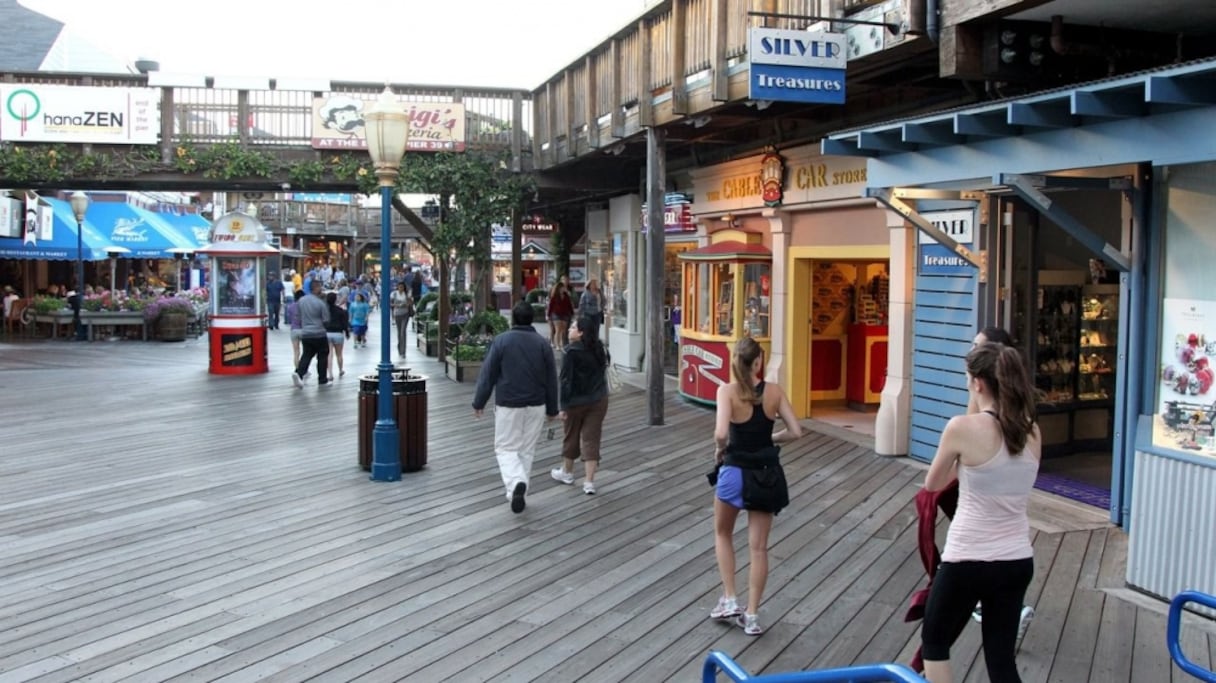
727,294
237,252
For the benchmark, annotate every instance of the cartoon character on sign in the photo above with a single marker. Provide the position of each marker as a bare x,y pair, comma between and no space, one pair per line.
342,114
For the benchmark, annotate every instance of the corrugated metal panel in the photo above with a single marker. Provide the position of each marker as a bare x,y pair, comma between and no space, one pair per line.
943,324
1172,546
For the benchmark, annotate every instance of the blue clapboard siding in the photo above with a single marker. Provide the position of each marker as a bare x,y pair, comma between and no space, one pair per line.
943,325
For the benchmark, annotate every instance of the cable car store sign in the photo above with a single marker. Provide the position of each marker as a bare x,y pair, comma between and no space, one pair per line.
796,66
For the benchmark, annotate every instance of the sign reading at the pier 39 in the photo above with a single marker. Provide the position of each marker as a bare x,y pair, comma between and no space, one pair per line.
796,66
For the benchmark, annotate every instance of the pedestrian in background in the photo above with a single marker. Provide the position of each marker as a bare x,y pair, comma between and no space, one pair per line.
988,557
402,305
359,311
274,300
561,311
520,370
314,316
748,458
592,301
292,314
584,402
337,331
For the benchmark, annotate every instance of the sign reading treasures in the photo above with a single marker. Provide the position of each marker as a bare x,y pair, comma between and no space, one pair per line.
32,112
796,66
935,258
337,123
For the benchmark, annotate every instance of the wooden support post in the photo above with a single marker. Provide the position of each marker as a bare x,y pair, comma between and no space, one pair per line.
656,186
719,83
167,119
617,119
645,92
538,105
517,253
568,122
517,131
551,122
242,116
591,111
675,38
445,287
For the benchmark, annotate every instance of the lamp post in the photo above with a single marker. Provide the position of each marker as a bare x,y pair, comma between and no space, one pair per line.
80,206
387,128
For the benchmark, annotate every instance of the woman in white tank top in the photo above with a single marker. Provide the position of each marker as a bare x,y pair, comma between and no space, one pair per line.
988,557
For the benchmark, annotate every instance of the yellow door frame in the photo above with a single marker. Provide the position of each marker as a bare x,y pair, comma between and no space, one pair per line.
797,337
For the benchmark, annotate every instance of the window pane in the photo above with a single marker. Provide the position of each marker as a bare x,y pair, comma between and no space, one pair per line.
704,309
724,291
756,283
616,283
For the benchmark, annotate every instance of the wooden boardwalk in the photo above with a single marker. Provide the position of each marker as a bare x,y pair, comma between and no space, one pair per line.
158,523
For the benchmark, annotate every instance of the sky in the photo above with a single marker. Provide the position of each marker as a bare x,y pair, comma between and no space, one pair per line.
516,44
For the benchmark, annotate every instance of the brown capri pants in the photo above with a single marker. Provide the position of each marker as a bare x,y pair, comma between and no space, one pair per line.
584,427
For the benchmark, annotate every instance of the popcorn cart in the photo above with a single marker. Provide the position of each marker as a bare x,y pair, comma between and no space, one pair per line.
726,296
237,252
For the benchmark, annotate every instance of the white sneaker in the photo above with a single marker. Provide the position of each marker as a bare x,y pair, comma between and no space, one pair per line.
727,608
1024,622
588,487
296,380
561,475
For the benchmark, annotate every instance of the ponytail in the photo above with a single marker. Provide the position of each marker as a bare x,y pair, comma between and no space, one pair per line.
1004,372
746,353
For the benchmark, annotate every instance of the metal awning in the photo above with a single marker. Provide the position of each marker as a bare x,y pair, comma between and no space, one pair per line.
1165,90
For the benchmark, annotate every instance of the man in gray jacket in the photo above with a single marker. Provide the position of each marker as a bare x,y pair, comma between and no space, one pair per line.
314,315
520,370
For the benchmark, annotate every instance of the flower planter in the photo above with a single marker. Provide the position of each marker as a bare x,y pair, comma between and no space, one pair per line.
465,371
171,326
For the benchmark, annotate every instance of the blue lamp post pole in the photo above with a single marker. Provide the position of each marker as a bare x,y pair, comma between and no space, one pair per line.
80,206
387,127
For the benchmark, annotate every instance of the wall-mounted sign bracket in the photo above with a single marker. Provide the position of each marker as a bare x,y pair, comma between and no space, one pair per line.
894,28
895,199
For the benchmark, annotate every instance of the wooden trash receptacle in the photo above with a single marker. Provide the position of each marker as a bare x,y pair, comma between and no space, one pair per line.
409,407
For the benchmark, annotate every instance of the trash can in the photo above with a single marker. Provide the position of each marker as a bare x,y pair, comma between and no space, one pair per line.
409,407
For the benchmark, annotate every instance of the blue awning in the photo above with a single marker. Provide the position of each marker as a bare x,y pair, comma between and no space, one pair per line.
144,232
190,226
61,245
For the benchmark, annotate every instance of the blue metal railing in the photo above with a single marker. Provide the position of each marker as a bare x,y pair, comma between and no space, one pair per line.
1174,626
869,673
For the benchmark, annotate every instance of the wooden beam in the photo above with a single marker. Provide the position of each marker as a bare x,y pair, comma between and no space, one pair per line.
591,109
424,230
517,131
168,116
242,116
1039,115
551,122
568,123
1108,104
930,134
645,92
963,11
1179,90
617,114
656,249
538,105
675,39
717,51
960,53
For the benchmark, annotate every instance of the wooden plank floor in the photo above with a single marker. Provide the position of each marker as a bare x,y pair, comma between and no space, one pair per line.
159,523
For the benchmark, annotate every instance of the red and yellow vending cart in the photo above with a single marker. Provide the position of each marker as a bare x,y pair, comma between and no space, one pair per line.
238,252
727,290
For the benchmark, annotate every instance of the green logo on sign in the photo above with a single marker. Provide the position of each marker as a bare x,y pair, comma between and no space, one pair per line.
13,104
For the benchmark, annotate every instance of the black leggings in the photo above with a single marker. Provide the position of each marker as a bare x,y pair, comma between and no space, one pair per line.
1000,588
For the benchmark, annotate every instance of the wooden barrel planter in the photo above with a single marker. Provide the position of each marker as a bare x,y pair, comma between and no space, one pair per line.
172,326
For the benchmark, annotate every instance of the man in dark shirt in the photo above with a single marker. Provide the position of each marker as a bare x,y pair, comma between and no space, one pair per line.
274,300
520,370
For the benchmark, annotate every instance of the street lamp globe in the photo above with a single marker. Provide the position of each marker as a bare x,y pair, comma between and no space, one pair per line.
80,205
387,126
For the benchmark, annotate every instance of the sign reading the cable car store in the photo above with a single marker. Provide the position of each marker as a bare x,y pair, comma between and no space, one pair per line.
337,123
796,66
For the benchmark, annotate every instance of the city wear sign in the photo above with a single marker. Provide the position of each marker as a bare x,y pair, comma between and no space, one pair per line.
796,66
51,113
337,123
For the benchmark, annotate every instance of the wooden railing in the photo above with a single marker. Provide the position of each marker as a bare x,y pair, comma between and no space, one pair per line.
680,58
495,119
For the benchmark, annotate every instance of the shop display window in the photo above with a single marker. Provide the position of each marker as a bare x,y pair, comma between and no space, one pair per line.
722,284
757,280
615,285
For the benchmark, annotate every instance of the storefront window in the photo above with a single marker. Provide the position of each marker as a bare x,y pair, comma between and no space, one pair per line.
616,283
756,282
1186,387
724,306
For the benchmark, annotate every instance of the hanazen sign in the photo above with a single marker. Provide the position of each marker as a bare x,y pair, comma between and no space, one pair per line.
796,66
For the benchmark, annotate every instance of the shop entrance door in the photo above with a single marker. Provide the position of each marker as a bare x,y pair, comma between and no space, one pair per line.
1062,308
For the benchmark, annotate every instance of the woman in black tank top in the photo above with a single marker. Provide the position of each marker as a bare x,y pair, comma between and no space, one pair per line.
749,477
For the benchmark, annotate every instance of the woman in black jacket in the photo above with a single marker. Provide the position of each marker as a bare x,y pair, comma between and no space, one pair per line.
584,401
337,330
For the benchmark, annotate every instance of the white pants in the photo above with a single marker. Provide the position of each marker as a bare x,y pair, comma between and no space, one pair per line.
516,431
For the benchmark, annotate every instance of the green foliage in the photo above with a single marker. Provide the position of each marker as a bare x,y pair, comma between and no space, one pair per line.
49,304
427,298
470,353
561,253
535,296
487,323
